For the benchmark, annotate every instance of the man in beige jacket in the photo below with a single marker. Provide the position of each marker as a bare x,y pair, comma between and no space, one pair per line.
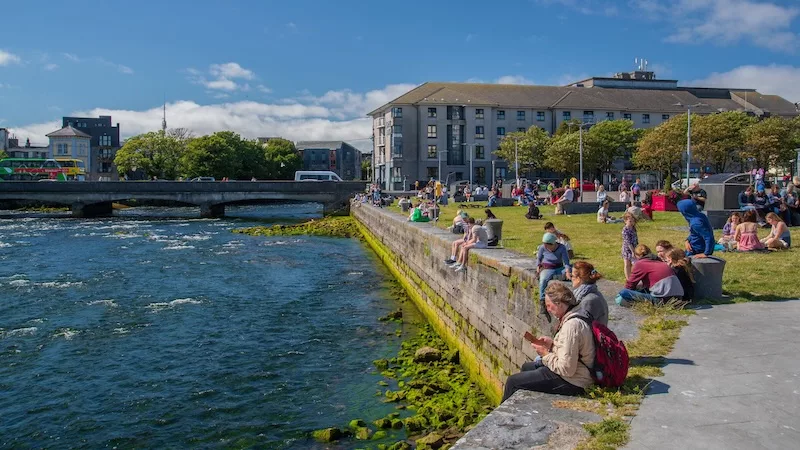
564,361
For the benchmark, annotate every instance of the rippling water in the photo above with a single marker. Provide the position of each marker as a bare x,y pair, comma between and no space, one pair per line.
156,332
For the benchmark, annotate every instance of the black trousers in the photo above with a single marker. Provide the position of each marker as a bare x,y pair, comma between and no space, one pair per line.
539,379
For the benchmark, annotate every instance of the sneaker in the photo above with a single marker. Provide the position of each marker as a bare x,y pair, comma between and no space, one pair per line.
461,268
449,261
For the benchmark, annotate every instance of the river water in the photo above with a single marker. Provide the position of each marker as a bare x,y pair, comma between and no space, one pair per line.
147,331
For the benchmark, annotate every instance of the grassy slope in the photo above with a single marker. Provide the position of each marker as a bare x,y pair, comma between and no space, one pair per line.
748,276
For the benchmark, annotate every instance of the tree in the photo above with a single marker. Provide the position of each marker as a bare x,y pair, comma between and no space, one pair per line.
366,169
661,148
282,158
530,146
608,141
567,127
154,153
718,139
562,154
223,154
3,154
769,142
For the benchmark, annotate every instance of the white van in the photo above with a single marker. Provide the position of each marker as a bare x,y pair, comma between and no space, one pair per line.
316,175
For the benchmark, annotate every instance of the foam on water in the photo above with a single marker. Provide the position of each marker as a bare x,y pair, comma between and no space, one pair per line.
27,331
66,333
61,284
19,283
158,306
178,247
109,303
5,245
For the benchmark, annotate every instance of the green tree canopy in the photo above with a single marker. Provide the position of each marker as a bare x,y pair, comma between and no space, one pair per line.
608,141
223,154
282,158
718,139
155,153
567,127
661,148
562,154
769,142
3,154
366,168
530,145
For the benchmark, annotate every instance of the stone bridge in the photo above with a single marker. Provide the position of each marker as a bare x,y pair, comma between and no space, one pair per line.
94,198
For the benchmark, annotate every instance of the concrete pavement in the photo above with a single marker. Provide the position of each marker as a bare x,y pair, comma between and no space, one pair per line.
731,382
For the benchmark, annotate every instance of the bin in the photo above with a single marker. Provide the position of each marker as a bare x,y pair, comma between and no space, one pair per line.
494,230
433,213
405,206
708,277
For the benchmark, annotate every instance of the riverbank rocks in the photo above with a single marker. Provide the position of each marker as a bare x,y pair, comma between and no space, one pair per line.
357,423
427,354
381,364
363,433
433,440
399,445
394,315
328,434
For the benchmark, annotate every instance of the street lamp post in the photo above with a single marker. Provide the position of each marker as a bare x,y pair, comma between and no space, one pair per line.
494,170
689,136
470,148
580,157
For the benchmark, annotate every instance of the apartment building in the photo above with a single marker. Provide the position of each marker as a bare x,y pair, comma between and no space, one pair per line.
104,144
336,156
447,124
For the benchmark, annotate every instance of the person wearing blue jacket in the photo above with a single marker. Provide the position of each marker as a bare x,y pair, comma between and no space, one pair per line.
700,242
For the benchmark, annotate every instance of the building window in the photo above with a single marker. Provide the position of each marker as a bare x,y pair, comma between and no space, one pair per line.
397,175
379,122
432,131
501,131
433,172
397,129
521,129
106,153
645,118
540,116
610,116
501,115
479,132
480,153
431,112
62,149
626,116
104,167
566,115
431,151
479,113
520,115
397,150
588,116
665,117
105,141
397,113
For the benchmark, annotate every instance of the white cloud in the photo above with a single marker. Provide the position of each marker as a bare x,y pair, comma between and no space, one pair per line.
469,37
773,79
6,58
513,79
121,68
334,115
50,67
588,7
222,77
230,70
71,57
765,24
264,89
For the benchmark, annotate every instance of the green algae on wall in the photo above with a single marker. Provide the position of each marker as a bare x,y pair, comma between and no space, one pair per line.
329,226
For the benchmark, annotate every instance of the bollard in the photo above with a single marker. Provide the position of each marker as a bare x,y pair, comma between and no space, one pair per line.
494,230
708,277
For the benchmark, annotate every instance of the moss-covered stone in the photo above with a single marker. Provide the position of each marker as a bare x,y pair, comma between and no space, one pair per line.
362,433
383,423
397,424
399,445
357,423
379,435
381,364
329,226
328,434
432,440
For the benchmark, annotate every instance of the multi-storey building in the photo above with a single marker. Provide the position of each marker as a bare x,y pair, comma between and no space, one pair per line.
104,143
336,156
70,142
13,150
448,124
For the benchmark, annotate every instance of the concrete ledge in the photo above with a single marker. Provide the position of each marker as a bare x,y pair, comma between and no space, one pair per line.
526,420
591,208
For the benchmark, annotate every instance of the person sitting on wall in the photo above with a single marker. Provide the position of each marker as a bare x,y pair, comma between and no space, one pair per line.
602,195
459,223
747,200
584,286
700,242
563,239
479,238
698,194
658,281
458,243
568,197
552,260
562,366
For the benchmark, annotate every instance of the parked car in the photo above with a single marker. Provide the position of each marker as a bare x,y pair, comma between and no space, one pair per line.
204,179
681,184
316,175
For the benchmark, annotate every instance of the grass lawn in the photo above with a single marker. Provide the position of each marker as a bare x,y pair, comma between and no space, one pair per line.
748,276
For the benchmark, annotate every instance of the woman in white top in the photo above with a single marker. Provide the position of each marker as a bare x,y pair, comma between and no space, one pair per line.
602,213
601,194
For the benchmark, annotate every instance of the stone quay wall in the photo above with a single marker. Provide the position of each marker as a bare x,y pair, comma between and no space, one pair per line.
484,312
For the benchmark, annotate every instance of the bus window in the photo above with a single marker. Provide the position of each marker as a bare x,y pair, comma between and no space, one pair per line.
5,163
81,164
50,164
67,163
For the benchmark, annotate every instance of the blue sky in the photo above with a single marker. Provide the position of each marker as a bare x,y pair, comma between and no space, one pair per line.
312,69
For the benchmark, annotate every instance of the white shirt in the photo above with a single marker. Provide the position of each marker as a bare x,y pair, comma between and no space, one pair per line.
569,194
481,233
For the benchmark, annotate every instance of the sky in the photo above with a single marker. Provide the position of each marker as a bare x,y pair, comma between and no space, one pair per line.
311,70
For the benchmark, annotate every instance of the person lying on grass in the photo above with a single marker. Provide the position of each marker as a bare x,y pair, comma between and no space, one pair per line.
562,366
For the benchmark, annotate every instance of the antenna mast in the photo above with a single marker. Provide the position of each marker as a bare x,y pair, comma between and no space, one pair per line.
164,117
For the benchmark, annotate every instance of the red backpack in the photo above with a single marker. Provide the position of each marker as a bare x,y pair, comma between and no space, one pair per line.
610,356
